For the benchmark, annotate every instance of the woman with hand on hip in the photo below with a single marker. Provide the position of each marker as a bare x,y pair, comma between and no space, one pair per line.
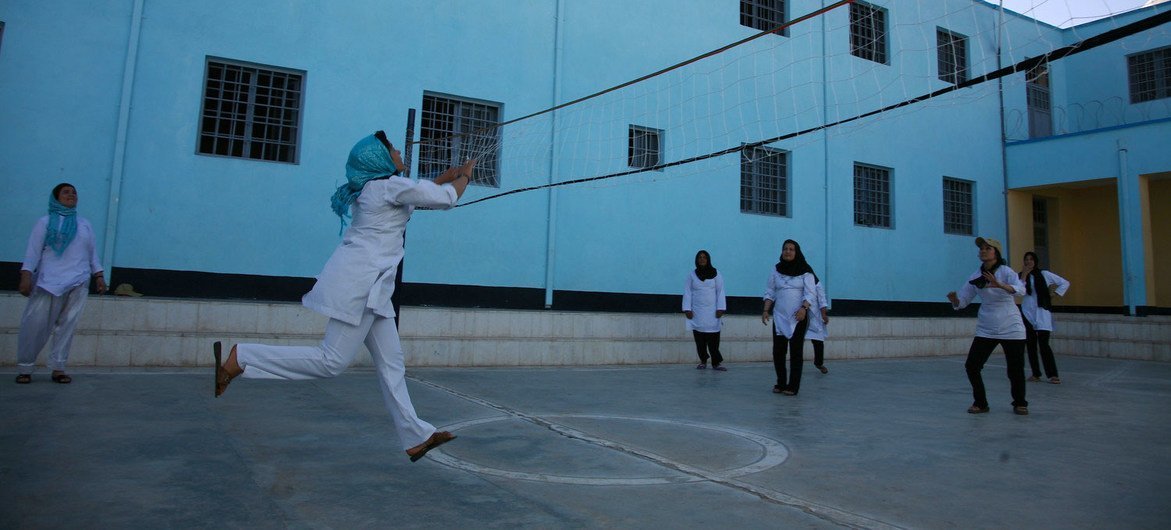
704,304
998,323
1035,306
355,287
789,293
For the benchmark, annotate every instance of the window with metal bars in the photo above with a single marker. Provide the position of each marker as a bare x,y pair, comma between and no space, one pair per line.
1037,98
644,148
957,207
251,111
1150,75
953,56
454,130
871,196
763,14
868,32
764,181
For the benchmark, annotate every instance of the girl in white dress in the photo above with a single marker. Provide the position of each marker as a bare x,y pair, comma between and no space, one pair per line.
704,304
1035,306
818,322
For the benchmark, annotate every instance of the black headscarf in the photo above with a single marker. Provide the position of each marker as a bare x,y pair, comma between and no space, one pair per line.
1044,300
796,267
706,272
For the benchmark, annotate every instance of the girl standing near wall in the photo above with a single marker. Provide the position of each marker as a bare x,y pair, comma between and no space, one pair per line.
704,304
1035,306
790,292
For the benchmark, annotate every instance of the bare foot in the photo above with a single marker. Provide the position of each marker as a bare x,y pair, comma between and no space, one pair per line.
227,371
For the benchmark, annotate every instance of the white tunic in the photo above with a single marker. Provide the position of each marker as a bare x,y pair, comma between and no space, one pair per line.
1039,317
58,274
360,273
787,294
998,317
703,298
817,329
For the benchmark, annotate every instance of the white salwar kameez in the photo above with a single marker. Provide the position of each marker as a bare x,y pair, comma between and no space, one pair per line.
354,290
817,329
1039,317
703,298
59,292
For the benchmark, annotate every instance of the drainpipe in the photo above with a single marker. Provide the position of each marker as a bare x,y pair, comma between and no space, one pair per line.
1003,131
551,215
116,171
825,151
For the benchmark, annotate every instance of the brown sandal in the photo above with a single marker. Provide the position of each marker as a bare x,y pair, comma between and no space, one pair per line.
437,439
24,379
222,378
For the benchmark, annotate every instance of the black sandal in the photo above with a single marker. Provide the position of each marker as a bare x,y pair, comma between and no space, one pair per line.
61,378
24,379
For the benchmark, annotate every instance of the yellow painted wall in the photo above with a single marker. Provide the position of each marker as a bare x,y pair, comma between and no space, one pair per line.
1086,245
1020,226
1159,249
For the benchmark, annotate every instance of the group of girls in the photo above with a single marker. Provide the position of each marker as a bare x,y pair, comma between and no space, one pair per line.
794,301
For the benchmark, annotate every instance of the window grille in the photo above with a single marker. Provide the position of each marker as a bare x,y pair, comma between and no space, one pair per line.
1150,75
953,56
868,32
871,196
454,130
764,181
957,207
763,14
644,148
251,111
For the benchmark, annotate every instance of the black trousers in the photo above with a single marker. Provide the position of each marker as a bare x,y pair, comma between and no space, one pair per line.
708,345
818,352
1014,356
1033,339
790,379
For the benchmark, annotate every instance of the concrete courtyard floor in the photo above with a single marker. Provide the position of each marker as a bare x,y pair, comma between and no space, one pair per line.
873,444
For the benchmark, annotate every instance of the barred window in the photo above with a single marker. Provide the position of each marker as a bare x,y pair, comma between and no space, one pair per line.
868,32
1150,75
454,130
644,148
764,181
953,56
251,111
957,207
763,14
871,196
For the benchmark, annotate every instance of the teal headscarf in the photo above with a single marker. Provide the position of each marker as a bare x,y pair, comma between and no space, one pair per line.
57,238
369,160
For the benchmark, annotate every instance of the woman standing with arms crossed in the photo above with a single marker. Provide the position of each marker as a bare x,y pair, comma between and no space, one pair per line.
704,304
788,295
355,287
998,322
1035,306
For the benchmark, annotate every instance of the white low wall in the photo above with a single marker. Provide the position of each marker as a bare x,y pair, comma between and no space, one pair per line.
155,332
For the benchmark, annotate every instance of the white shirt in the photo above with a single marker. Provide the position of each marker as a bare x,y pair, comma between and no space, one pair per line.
1039,317
703,298
788,293
360,273
998,317
817,329
58,274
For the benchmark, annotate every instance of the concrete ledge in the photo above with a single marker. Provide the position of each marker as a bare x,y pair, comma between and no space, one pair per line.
150,332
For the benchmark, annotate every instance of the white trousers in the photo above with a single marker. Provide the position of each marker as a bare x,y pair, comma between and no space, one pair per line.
46,315
334,355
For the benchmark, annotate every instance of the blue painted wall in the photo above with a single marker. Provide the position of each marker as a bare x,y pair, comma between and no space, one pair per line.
367,63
